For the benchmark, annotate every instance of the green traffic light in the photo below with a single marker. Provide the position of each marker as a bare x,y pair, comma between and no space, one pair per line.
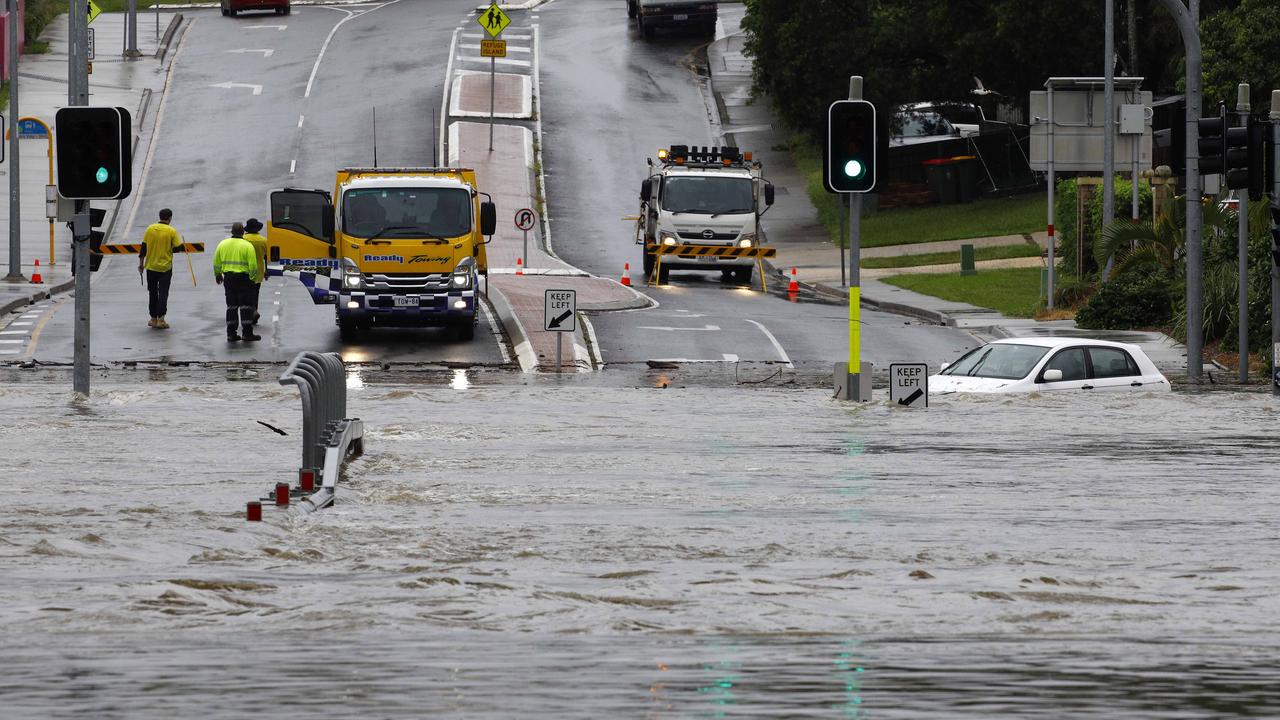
102,175
854,168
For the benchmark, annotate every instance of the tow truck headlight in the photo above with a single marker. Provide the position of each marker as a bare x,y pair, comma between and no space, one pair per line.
668,239
351,277
461,278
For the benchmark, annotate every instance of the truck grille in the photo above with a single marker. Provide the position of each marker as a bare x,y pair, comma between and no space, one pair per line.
698,235
407,283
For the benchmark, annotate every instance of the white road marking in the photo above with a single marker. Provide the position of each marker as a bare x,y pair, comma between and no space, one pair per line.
275,318
316,67
9,352
498,61
727,358
19,324
13,332
481,36
266,53
300,119
257,89
293,165
266,27
706,328
776,345
730,357
12,342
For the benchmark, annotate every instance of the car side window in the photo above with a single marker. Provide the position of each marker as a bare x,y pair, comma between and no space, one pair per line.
1111,362
1070,362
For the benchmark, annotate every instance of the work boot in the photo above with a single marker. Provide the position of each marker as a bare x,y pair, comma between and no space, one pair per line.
161,324
232,336
248,335
151,323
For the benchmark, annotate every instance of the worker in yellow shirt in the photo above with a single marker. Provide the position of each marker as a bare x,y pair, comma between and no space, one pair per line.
159,243
251,228
235,268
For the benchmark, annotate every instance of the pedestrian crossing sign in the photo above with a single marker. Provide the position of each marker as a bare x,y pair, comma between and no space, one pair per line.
92,11
493,20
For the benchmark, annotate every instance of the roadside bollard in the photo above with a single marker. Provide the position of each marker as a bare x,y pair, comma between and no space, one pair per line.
253,513
307,480
282,494
967,266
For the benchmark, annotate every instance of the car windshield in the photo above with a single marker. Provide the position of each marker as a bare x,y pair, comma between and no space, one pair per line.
924,124
406,212
707,194
1002,360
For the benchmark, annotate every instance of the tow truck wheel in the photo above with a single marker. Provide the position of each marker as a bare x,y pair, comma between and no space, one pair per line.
466,330
743,274
648,266
664,274
348,330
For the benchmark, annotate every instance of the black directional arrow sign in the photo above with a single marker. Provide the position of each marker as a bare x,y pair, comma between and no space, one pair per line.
560,311
911,398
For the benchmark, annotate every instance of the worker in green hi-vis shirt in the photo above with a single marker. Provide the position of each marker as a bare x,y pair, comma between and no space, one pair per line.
235,268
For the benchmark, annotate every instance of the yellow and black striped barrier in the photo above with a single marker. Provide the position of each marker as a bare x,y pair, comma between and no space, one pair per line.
756,253
136,248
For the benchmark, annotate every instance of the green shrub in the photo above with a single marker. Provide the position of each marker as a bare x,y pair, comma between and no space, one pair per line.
1065,219
1139,299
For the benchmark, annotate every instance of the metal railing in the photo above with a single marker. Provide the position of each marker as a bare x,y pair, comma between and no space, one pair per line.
328,435
321,379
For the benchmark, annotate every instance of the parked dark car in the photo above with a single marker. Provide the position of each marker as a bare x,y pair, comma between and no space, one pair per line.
652,14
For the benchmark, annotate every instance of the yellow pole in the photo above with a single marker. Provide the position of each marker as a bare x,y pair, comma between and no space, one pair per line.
855,331
48,134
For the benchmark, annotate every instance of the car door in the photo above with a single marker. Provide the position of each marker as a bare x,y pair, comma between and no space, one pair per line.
300,239
1114,370
1074,366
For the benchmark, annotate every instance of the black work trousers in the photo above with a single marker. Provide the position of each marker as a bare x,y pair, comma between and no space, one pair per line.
158,292
239,288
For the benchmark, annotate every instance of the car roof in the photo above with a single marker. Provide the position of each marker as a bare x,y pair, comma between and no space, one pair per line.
1058,342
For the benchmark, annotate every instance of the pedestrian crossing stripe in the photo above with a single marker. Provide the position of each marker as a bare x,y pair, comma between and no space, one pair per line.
493,20
136,248
694,251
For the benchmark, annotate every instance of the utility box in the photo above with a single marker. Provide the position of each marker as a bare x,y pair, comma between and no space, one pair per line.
1133,119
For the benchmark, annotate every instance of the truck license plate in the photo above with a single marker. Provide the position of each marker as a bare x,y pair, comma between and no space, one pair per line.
681,17
400,301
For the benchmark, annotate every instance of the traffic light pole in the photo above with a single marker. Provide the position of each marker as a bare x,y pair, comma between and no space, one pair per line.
854,379
1242,248
15,204
78,94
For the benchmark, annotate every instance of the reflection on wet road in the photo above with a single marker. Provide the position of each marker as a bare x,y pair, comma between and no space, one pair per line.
544,549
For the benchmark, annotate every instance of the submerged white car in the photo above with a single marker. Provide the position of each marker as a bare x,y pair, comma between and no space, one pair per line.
1050,364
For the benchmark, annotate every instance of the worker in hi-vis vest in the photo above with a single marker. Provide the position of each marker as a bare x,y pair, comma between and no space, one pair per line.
235,268
251,228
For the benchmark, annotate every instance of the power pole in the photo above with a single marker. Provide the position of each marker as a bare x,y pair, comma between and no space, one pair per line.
131,29
1275,267
1133,39
15,200
1109,129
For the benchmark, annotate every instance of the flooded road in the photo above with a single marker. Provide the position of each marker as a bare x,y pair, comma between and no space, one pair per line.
595,548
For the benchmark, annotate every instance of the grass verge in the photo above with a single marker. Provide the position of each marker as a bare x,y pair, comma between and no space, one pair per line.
999,252
984,218
1014,292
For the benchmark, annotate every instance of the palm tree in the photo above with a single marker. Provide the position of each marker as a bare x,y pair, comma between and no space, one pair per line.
1161,243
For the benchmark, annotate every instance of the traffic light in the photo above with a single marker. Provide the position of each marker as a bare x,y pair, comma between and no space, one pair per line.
95,158
96,218
1261,174
850,159
1212,142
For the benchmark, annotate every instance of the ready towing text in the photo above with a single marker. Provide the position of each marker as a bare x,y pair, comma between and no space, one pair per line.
391,247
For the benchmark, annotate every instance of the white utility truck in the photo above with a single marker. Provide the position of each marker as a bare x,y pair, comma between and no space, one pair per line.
702,196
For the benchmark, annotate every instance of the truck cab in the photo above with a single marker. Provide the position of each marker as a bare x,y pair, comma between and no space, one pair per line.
390,247
702,196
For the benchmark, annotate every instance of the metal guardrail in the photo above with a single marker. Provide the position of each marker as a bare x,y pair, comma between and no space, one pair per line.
328,435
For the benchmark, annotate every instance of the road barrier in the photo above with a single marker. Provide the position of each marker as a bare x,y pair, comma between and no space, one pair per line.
136,248
719,251
328,435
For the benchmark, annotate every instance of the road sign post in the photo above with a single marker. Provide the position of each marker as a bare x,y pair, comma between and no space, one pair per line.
494,21
524,223
909,384
560,315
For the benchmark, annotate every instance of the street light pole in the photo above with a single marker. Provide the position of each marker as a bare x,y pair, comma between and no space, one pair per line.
1108,126
15,204
1275,269
1242,248
78,94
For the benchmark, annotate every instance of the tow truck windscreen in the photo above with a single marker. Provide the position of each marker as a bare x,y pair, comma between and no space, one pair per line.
406,212
707,194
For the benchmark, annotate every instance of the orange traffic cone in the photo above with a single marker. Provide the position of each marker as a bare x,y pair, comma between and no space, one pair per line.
35,274
794,286
519,266
626,274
